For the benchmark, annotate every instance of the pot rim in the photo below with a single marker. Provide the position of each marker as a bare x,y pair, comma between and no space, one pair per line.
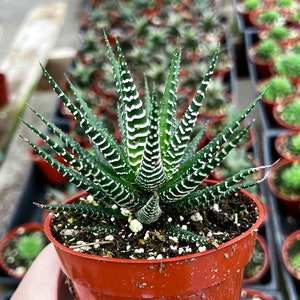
287,242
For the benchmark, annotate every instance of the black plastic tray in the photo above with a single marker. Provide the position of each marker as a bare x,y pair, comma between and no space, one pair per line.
283,224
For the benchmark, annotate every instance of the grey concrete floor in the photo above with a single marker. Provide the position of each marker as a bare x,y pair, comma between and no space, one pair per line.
14,170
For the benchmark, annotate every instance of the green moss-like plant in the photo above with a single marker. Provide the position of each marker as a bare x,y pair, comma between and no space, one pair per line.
267,50
279,33
277,88
288,64
269,17
295,144
289,180
30,245
290,112
250,5
284,3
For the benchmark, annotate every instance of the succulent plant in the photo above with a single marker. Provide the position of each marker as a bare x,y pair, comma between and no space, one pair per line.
250,5
151,180
277,88
288,64
267,50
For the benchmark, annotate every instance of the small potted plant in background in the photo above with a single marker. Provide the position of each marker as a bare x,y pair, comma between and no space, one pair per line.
282,34
284,183
265,18
20,246
291,254
139,224
287,113
277,89
288,64
259,264
262,54
245,7
287,144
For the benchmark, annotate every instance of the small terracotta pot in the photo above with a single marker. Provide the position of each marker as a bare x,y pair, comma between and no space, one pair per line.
253,16
287,244
214,274
269,104
281,144
266,265
4,97
263,67
278,108
291,203
19,230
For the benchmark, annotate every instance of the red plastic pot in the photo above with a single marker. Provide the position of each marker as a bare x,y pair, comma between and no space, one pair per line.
214,274
291,203
52,175
4,98
281,145
265,267
255,294
288,242
263,67
19,230
278,108
254,15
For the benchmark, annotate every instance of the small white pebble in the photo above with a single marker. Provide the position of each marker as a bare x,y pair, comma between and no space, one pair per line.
140,250
196,217
216,207
202,249
135,225
109,237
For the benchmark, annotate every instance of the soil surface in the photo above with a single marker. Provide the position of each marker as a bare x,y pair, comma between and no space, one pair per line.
217,225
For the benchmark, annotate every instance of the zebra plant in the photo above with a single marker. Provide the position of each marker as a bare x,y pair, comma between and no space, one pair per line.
156,173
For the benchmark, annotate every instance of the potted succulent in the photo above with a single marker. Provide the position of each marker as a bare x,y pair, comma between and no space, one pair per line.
284,183
262,54
277,89
288,64
283,34
264,18
135,224
290,252
287,112
245,7
287,144
20,246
